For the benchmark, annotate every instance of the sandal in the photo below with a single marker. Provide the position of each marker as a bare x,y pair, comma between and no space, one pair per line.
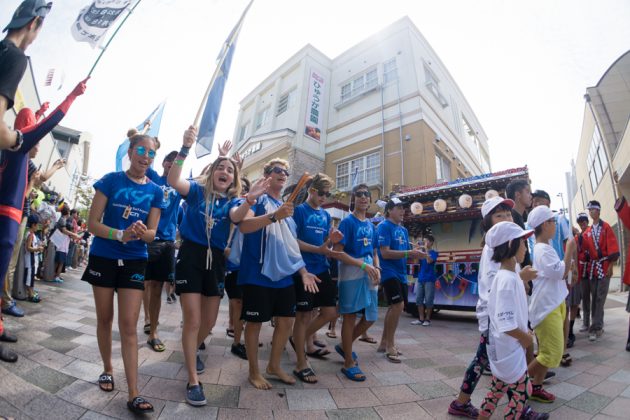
229,332
566,360
331,334
354,374
136,406
147,329
370,340
319,343
392,357
319,353
106,379
339,350
306,375
157,345
35,298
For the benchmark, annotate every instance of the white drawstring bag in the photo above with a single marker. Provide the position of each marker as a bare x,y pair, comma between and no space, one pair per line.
282,257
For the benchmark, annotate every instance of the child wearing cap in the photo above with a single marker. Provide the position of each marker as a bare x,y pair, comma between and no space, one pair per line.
494,210
547,309
507,311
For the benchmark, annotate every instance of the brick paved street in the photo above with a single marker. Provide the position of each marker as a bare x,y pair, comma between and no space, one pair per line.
59,363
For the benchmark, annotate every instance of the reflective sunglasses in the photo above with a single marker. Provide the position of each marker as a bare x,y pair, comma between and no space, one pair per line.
279,170
360,194
141,151
326,194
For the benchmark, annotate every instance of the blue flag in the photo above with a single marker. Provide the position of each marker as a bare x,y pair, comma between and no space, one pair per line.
213,104
154,119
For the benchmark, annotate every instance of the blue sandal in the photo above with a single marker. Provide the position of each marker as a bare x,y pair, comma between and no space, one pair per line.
354,374
339,350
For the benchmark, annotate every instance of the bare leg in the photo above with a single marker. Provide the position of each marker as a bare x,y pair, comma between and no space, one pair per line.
389,328
104,302
299,334
326,314
252,333
191,311
146,303
347,338
280,337
129,301
209,312
236,306
155,304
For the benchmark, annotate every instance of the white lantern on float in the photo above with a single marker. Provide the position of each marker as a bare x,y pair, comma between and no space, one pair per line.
439,205
416,208
491,193
465,201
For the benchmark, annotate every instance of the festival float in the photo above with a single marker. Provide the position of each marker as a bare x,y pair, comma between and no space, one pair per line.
451,211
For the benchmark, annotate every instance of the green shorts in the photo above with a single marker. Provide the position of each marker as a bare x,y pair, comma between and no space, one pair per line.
550,335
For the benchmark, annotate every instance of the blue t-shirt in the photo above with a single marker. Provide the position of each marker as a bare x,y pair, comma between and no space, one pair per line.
312,227
359,237
427,270
397,239
125,198
253,243
193,227
168,220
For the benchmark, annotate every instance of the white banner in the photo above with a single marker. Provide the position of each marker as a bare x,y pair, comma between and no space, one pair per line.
314,107
94,20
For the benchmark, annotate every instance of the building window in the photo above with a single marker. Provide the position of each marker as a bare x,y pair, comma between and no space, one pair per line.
596,160
261,118
442,168
286,101
242,132
361,84
433,84
362,170
390,72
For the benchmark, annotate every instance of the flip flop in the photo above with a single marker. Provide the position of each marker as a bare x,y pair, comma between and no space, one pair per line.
157,345
147,329
393,358
331,334
229,332
319,353
319,343
339,350
354,374
566,360
135,406
304,375
370,340
104,379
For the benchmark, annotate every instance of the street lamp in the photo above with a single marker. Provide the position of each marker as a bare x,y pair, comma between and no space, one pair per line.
562,199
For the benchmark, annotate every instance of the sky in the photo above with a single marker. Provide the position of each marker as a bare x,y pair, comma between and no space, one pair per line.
523,66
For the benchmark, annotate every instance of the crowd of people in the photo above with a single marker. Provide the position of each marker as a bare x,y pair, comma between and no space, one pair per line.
281,259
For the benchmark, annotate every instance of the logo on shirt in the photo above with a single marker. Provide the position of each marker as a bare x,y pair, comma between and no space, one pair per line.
399,236
316,221
135,197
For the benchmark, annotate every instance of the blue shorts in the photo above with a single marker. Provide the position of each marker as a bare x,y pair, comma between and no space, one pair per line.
356,296
425,293
60,257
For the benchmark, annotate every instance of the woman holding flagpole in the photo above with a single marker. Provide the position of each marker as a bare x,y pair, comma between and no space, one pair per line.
213,201
123,218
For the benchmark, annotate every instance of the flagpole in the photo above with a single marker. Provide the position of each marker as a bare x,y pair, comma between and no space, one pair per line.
112,37
219,65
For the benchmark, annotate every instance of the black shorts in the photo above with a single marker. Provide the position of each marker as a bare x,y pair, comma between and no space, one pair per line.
115,274
260,303
60,257
161,263
306,301
233,290
191,275
395,291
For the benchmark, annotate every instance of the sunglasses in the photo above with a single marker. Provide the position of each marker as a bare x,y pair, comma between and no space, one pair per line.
141,151
360,194
279,170
323,193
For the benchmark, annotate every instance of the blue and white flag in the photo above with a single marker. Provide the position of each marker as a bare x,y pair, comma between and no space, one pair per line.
213,103
153,121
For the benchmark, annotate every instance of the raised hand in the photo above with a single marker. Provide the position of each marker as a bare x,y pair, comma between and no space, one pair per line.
258,188
190,135
239,161
225,148
80,88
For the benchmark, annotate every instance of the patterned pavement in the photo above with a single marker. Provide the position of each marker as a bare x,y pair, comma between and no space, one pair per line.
59,364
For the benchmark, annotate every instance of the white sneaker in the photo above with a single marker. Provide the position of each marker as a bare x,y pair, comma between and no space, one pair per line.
416,322
426,323
592,337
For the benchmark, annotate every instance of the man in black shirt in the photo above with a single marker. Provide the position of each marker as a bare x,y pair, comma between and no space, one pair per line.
520,192
22,31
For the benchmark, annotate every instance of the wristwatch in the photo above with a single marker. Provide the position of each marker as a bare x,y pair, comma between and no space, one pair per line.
272,217
119,235
19,139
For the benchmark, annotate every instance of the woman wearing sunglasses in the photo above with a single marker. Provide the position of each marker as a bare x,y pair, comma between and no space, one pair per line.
212,199
123,218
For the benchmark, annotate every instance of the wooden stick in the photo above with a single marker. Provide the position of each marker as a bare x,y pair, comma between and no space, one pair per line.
298,187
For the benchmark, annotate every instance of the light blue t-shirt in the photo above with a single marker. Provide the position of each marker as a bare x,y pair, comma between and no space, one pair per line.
168,220
193,226
253,248
312,227
397,239
127,202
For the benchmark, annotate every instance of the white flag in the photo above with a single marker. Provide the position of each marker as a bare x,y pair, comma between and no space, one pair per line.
94,20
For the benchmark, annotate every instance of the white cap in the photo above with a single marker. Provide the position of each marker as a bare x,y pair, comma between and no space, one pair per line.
538,216
504,232
491,203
